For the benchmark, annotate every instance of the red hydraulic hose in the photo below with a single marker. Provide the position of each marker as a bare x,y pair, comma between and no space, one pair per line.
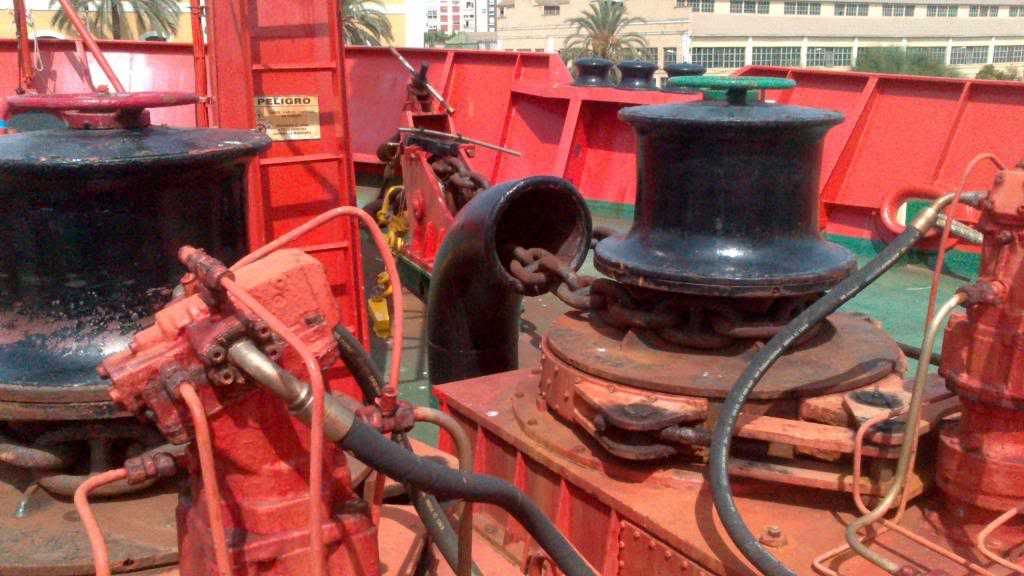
316,440
208,469
382,246
90,42
316,381
100,558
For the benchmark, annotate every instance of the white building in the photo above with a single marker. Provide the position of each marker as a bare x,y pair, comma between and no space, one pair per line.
451,16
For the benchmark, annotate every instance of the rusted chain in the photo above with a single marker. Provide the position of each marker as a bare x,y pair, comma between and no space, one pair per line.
36,458
684,322
459,182
100,439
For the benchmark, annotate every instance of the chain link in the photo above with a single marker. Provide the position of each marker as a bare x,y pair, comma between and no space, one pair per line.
704,324
459,182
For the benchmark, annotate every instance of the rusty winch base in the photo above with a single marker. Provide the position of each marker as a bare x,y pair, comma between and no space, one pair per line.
635,519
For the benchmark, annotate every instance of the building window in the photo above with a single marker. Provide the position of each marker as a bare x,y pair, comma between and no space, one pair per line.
851,9
432,14
669,56
897,10
1004,54
941,11
936,52
444,8
828,57
697,5
777,56
552,10
455,9
803,8
649,55
1017,11
983,11
968,55
748,7
719,57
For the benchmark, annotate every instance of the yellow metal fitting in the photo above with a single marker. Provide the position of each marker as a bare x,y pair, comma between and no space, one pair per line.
384,288
380,318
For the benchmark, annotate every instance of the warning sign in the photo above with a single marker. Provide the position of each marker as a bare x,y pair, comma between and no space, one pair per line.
288,117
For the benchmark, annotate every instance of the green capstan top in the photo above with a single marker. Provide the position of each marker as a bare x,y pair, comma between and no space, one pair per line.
735,87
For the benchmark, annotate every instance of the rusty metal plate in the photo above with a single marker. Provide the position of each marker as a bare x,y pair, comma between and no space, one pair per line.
47,536
671,504
845,353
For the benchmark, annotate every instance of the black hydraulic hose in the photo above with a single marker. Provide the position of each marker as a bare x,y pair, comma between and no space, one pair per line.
718,464
378,452
915,352
371,447
371,382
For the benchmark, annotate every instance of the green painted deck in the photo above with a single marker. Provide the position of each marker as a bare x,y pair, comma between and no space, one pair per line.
898,299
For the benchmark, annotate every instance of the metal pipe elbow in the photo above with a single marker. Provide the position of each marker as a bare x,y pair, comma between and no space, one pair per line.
473,307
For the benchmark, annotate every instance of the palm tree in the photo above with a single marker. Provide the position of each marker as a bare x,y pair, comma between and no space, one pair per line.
365,23
109,18
600,31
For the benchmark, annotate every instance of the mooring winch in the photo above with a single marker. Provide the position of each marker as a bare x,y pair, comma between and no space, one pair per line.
91,217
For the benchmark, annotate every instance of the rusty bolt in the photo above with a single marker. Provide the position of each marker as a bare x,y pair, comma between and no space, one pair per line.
225,377
1005,237
773,537
262,330
651,544
273,351
907,571
216,354
999,179
388,400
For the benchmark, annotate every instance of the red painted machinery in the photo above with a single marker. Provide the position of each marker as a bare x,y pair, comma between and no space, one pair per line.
261,487
704,408
433,166
705,386
655,455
